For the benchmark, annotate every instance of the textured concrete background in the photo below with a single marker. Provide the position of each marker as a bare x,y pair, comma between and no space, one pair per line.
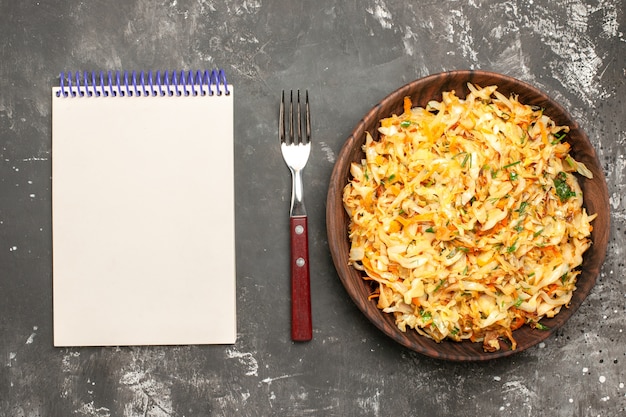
349,55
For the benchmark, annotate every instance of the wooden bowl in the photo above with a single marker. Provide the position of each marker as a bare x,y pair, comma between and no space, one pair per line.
421,91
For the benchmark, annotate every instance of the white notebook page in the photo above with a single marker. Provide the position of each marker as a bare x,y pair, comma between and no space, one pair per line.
143,220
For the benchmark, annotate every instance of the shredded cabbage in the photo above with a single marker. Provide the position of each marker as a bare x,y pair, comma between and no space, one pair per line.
468,218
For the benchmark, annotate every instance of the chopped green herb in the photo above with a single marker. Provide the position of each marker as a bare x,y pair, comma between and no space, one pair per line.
391,177
540,326
513,176
405,123
430,230
538,232
518,302
465,160
512,164
522,207
563,190
558,138
425,315
512,248
465,154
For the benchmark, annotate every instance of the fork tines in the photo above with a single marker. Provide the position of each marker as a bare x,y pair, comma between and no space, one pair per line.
295,135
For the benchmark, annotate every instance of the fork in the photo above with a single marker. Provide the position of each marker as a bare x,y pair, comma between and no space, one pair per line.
295,148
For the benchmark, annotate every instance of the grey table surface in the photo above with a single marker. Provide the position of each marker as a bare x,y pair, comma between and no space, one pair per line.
349,55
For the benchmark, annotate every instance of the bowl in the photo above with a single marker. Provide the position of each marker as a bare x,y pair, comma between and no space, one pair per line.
421,91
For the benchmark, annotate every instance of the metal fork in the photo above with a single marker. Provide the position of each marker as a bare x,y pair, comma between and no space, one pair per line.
295,146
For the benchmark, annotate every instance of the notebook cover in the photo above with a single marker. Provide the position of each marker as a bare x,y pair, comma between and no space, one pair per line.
143,220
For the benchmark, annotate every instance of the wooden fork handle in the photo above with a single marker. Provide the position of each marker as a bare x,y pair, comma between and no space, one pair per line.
301,326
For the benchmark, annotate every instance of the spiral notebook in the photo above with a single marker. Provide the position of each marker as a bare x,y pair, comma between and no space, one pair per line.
143,209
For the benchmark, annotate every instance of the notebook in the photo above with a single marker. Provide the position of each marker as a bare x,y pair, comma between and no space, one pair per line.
143,209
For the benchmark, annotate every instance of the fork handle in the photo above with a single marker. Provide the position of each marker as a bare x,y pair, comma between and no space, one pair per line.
301,326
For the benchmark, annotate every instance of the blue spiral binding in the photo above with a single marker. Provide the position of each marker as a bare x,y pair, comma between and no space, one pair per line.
143,84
